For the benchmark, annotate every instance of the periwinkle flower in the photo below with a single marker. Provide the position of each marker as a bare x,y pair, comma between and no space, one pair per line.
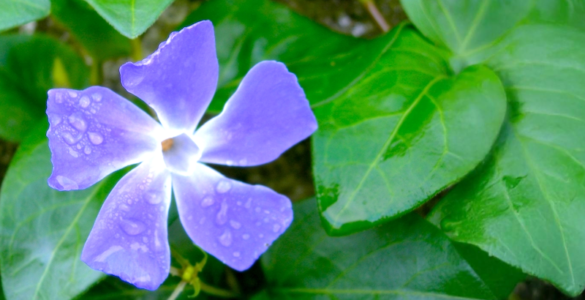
95,132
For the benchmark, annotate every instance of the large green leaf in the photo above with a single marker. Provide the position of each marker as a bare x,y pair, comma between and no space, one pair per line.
130,17
18,12
525,205
42,231
405,259
249,31
100,39
403,133
29,67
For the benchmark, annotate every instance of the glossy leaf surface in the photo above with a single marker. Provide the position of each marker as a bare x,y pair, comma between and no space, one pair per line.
18,12
42,231
130,17
404,259
26,76
100,39
525,205
404,132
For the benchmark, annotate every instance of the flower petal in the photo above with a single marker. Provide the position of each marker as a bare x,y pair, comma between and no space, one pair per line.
93,133
129,237
267,115
230,220
179,79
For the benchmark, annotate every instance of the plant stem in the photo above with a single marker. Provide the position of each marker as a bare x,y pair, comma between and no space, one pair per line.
136,53
376,15
211,290
178,290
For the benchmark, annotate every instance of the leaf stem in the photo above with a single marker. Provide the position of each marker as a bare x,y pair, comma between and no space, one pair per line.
136,52
211,290
180,287
376,14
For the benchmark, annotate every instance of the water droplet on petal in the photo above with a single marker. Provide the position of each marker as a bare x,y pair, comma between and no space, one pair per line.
69,138
73,153
223,186
208,201
87,150
59,98
67,183
72,94
95,138
96,97
222,214
84,101
246,236
55,120
77,121
236,254
235,224
132,227
226,238
276,228
153,198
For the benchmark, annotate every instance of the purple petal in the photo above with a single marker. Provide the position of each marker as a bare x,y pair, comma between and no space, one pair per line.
93,133
230,220
179,79
267,115
129,237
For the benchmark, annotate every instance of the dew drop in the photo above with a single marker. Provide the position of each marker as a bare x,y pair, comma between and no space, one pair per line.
221,217
67,183
72,94
95,138
235,224
73,153
226,238
236,254
208,201
77,122
97,97
153,198
132,227
223,186
55,120
87,150
69,138
84,101
276,228
246,236
59,98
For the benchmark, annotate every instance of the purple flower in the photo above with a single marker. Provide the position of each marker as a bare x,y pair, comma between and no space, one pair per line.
95,132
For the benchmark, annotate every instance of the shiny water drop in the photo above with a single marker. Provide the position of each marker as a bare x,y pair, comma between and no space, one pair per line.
77,121
226,238
67,183
236,254
223,186
153,198
221,217
235,224
55,120
97,97
73,153
87,150
276,227
69,138
84,101
95,138
132,227
246,236
72,94
208,201
58,97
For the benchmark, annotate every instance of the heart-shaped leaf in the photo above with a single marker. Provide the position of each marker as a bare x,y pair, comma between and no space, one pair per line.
404,259
17,12
130,17
26,76
42,231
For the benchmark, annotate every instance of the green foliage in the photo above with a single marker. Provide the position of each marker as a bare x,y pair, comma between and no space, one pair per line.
26,76
17,12
130,17
399,260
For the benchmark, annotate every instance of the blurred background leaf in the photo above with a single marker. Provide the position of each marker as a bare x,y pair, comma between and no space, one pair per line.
404,259
29,67
17,12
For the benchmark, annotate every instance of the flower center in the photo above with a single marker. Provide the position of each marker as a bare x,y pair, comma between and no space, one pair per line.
167,144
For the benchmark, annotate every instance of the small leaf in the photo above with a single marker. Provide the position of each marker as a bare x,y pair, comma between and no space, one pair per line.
18,12
90,29
525,204
42,231
26,76
404,259
130,17
403,133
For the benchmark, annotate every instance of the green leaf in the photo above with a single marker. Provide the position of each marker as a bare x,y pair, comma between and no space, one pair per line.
525,205
100,39
42,231
404,259
17,12
130,17
403,133
26,76
249,31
